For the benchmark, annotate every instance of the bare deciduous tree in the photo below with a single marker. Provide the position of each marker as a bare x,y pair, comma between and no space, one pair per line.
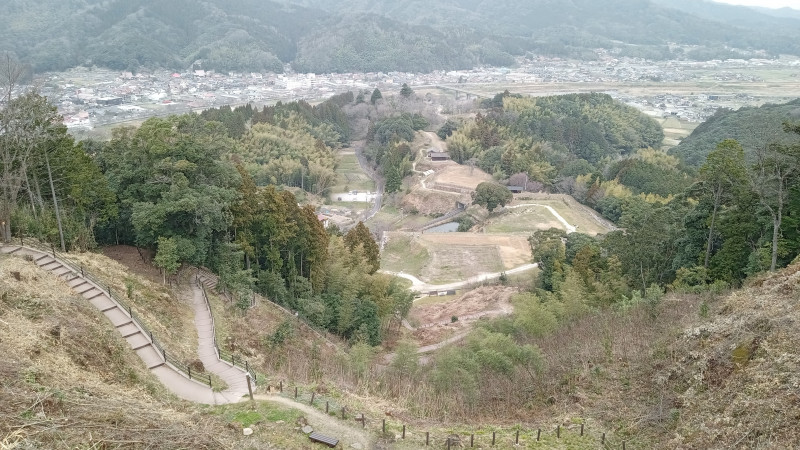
27,123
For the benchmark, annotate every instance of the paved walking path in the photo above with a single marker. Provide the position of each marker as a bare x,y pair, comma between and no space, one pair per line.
233,376
142,342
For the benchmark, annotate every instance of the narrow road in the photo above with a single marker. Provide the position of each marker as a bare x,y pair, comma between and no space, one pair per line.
420,286
358,147
140,340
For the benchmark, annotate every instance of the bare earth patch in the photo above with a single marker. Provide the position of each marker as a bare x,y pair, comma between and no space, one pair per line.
432,202
458,175
434,321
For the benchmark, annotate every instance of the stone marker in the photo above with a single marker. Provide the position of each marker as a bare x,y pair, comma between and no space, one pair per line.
307,429
247,431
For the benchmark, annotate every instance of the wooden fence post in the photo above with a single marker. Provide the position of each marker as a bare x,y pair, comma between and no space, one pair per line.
343,413
558,432
384,426
313,394
472,440
538,434
209,380
295,392
581,429
516,439
250,387
281,386
190,371
363,421
326,407
493,437
603,439
428,437
404,431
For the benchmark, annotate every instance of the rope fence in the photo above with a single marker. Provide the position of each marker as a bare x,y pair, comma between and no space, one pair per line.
418,436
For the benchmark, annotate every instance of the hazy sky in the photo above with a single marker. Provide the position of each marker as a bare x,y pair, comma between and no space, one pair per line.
766,3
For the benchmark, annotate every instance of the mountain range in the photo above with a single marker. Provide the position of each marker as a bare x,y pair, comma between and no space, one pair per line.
378,35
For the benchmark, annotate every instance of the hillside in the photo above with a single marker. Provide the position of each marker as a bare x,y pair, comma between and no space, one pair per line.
355,35
69,379
735,378
752,127
710,371
572,27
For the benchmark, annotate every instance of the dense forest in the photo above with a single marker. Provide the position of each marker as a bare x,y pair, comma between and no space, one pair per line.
727,214
221,189
354,35
209,193
752,127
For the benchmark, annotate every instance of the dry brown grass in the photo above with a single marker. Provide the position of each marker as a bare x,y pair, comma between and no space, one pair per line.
431,202
162,308
460,175
69,380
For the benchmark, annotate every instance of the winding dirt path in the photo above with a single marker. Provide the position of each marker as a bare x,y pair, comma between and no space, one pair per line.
324,423
418,285
559,217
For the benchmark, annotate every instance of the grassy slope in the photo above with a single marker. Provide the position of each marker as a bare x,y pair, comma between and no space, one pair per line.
683,380
69,380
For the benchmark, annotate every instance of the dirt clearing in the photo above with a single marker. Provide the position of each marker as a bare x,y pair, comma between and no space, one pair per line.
439,258
434,321
452,173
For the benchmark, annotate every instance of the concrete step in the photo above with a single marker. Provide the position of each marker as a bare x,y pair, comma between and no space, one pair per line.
61,271
138,341
77,282
117,316
102,302
51,265
84,289
128,329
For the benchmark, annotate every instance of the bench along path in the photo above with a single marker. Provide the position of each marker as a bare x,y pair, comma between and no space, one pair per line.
140,341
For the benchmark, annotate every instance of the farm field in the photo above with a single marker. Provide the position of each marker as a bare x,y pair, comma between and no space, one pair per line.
675,130
350,176
523,220
439,258
580,216
459,175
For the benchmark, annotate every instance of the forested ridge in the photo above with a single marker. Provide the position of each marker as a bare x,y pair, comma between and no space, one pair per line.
222,189
750,126
208,193
723,214
352,35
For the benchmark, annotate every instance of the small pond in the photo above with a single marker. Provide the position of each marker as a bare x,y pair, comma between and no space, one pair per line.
448,227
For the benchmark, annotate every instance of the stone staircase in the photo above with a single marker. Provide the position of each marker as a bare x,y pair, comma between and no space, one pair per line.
140,341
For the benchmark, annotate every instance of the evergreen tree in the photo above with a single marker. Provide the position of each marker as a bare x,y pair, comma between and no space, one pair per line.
376,95
360,236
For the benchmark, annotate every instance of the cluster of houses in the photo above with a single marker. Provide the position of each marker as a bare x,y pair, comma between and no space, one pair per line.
89,97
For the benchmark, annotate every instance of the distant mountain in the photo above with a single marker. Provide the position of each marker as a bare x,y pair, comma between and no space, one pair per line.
781,12
373,35
561,26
